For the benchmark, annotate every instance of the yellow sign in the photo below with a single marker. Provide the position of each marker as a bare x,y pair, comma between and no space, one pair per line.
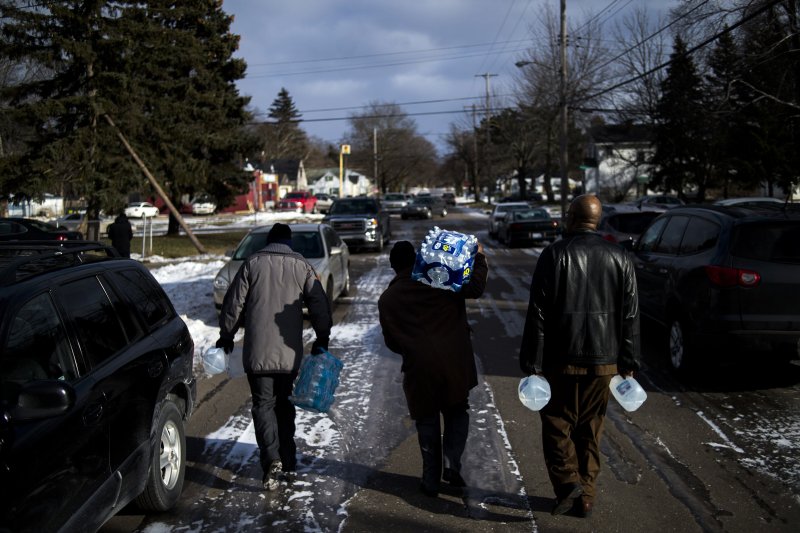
346,149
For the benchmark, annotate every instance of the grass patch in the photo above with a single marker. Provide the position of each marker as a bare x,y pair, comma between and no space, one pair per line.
177,246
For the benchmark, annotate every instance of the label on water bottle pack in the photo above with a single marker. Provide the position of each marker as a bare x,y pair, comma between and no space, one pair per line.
445,259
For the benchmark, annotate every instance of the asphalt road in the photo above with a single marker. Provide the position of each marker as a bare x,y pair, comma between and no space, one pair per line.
711,452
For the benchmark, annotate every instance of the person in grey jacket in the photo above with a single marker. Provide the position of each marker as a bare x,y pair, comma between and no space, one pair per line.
266,297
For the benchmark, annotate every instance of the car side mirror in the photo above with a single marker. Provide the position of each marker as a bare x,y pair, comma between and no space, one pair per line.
42,399
336,250
228,253
487,212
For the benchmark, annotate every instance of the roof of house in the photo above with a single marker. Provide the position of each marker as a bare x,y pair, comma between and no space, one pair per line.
621,133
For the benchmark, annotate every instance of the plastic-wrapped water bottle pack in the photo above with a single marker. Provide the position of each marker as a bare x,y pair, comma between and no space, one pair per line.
445,259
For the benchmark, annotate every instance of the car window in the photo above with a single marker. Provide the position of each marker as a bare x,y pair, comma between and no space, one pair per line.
92,315
8,228
650,237
308,244
36,347
700,235
673,234
631,222
145,296
331,238
768,241
354,207
252,243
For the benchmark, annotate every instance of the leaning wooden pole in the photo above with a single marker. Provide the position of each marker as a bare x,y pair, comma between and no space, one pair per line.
157,187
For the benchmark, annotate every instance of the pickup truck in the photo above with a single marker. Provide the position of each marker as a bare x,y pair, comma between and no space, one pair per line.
360,222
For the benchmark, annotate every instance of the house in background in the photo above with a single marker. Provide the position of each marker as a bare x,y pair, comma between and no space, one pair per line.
617,158
326,181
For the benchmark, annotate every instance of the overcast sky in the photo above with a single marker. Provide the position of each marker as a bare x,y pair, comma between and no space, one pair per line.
335,56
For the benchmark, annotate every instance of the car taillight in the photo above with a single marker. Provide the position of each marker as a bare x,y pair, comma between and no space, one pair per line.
515,226
610,238
61,238
731,277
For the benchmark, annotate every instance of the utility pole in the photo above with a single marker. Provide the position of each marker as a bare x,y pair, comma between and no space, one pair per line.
475,186
563,103
487,156
375,157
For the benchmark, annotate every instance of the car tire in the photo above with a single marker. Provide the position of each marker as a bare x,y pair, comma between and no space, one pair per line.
678,345
168,462
444,213
404,217
329,292
379,245
314,210
429,215
346,286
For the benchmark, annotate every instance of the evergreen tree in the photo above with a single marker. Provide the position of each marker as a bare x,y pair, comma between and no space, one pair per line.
162,71
282,137
771,85
682,136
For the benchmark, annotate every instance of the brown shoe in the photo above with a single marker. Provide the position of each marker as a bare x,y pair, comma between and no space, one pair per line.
584,507
568,495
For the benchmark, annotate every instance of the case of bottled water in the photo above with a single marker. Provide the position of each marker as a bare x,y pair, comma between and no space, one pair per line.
534,392
445,259
627,392
317,381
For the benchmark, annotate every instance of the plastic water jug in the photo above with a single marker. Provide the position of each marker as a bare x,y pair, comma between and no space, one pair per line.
445,259
627,392
534,392
317,381
215,361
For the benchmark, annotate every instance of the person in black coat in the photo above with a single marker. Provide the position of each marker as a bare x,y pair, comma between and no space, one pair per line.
121,233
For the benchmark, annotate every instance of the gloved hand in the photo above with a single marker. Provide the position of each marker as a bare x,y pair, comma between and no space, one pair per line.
225,343
318,346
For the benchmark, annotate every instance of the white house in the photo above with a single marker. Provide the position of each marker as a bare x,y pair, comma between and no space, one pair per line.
619,157
326,180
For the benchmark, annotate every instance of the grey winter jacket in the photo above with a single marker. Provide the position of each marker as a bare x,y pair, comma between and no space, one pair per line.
266,297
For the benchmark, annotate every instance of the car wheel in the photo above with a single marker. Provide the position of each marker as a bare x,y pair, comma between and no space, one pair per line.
678,346
444,213
314,210
346,286
168,462
429,215
329,292
404,217
379,245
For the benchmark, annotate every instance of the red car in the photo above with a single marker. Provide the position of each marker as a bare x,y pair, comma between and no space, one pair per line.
298,201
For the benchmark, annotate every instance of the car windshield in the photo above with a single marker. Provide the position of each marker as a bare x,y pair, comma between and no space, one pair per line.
393,197
293,195
306,243
768,241
354,207
42,225
533,214
502,209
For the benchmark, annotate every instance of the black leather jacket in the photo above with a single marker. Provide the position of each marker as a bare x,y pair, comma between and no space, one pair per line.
583,309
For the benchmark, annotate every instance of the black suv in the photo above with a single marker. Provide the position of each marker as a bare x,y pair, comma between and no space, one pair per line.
360,221
96,385
722,279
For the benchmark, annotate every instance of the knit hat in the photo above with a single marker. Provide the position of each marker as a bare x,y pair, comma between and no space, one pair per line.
402,255
280,234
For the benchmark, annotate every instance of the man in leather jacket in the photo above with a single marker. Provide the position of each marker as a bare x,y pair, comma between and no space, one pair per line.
582,327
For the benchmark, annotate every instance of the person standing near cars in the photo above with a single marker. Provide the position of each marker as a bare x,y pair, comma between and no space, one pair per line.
266,297
428,327
582,327
121,233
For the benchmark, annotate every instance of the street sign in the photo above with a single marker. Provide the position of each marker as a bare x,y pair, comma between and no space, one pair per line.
346,149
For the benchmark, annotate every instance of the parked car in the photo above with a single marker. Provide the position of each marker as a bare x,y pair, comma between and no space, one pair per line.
204,205
750,200
527,226
622,223
299,202
96,386
449,198
73,221
394,202
141,210
424,207
29,229
318,243
361,222
664,201
324,202
722,279
499,212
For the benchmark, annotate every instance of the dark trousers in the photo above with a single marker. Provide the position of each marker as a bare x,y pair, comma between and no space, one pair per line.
273,417
572,425
434,445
